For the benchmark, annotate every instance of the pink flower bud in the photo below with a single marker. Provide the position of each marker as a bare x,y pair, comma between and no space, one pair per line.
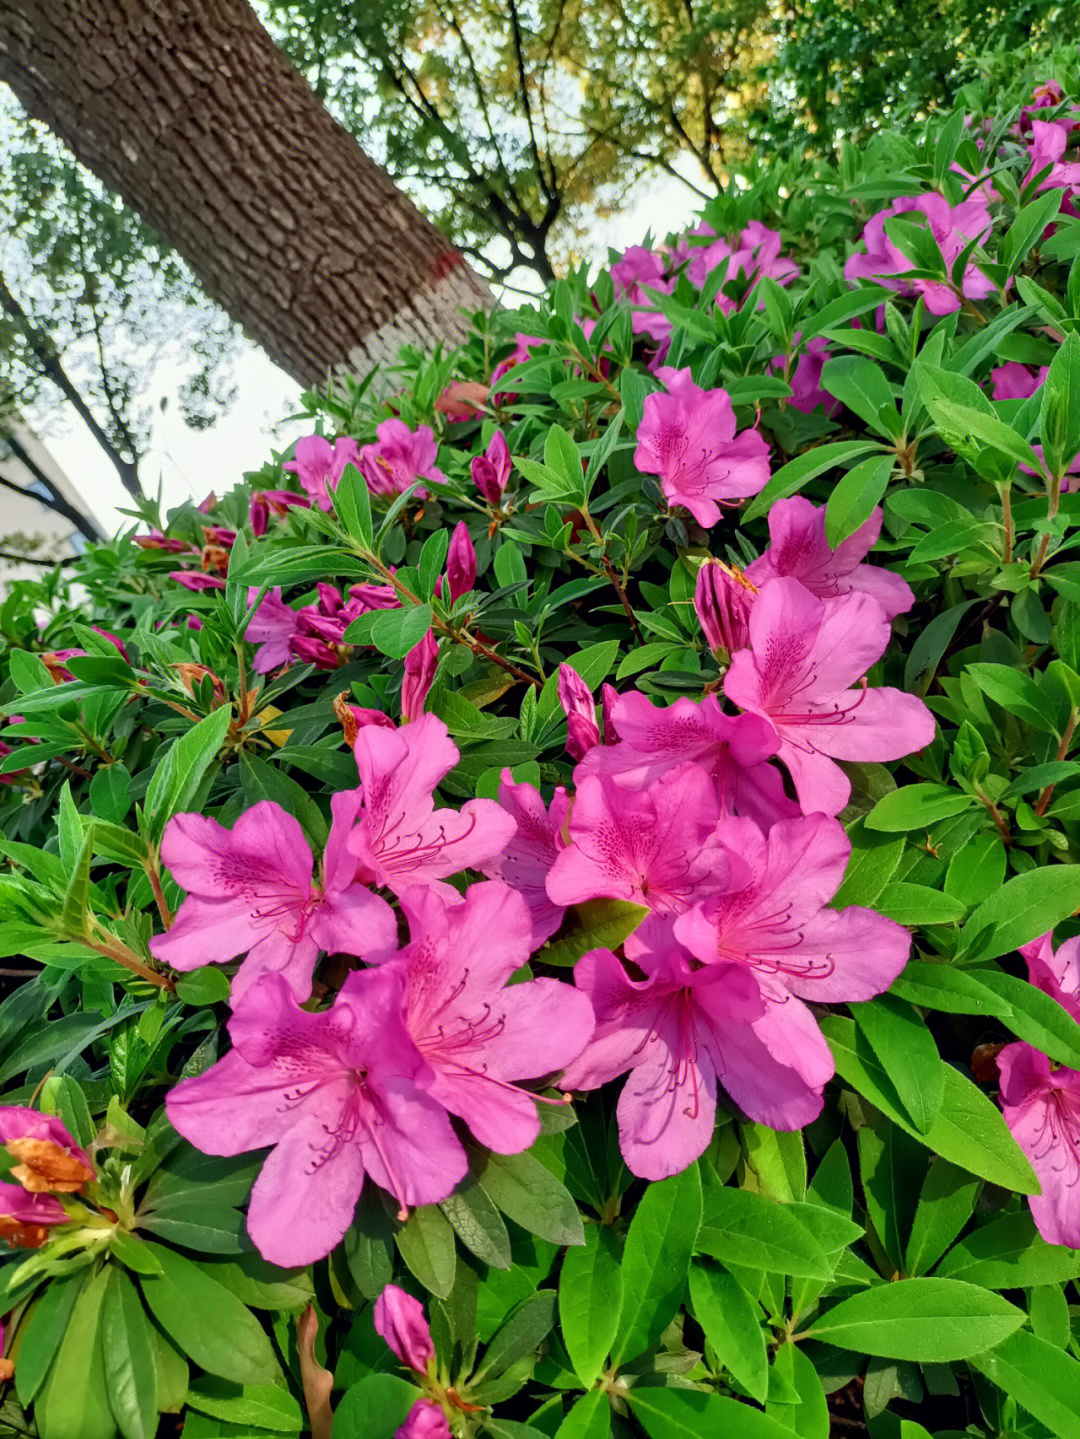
311,650
258,514
722,605
460,562
420,665
491,471
219,535
582,729
425,1420
400,1320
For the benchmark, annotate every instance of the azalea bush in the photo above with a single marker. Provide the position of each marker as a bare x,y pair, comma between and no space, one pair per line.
549,910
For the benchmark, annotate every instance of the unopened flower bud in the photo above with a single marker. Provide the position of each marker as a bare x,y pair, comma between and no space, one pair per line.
491,471
400,1320
722,600
420,665
582,729
460,563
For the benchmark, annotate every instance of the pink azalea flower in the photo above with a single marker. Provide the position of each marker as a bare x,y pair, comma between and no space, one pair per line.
398,458
738,1015
491,470
478,1033
280,502
251,889
1049,140
678,1031
800,551
722,605
1055,972
687,437
804,656
656,846
311,650
460,562
1041,1106
340,1095
400,838
734,749
420,665
1016,382
272,627
579,707
47,1162
531,852
318,465
952,226
773,916
401,1321
369,596
637,269
193,580
425,1420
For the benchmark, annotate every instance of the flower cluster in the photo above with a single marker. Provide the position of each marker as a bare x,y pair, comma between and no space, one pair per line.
680,810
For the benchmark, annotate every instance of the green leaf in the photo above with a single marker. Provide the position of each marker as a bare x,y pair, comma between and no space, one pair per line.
1025,907
966,419
207,1322
1034,1017
48,1322
659,1246
908,1053
177,777
916,806
374,1408
1042,1379
862,388
809,1415
791,478
912,904
128,1352
945,1206
968,1131
1027,228
110,793
530,1195
74,1402
873,862
854,497
520,1334
1008,1253
691,1414
264,1406
597,924
1060,422
930,645
732,1326
937,1320
76,896
426,1243
590,1418
590,1301
395,632
352,505
746,1229
369,1246
478,1224
1015,692
940,986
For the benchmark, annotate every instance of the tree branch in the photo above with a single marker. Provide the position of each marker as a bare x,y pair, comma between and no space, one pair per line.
54,500
52,368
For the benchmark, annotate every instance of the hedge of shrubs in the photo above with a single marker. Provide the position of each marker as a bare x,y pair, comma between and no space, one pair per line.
549,910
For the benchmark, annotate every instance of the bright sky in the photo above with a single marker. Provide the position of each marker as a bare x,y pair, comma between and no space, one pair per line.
189,463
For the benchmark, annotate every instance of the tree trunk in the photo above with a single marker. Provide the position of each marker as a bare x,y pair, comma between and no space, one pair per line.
189,111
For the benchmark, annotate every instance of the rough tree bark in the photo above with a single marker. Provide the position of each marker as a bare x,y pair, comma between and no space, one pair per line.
189,111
